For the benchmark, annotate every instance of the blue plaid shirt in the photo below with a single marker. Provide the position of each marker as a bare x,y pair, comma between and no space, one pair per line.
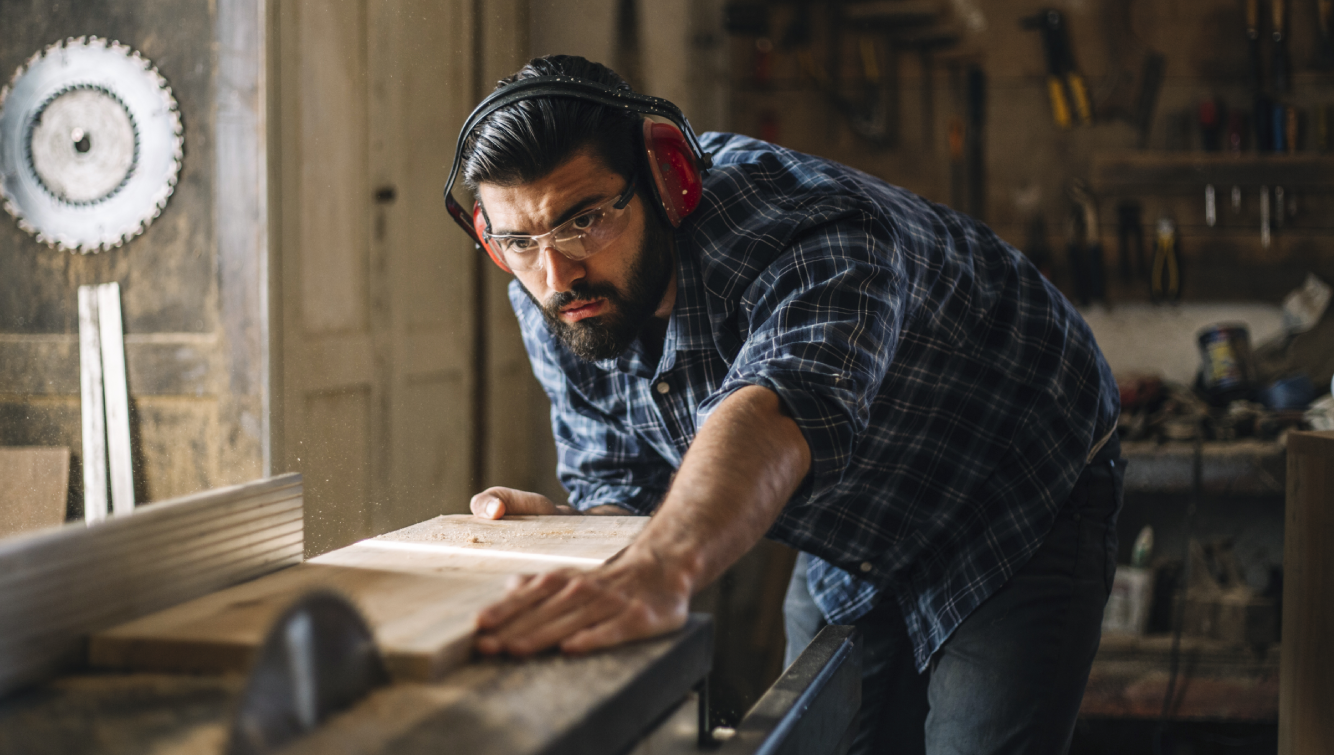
949,394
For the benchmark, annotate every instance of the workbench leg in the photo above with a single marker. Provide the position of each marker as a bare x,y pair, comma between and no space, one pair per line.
705,729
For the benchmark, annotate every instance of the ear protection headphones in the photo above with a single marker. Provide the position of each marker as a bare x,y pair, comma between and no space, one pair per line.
675,159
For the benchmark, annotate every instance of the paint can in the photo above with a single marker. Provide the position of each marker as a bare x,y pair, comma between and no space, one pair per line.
1228,370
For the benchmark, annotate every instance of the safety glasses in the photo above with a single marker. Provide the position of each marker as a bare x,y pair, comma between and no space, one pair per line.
578,238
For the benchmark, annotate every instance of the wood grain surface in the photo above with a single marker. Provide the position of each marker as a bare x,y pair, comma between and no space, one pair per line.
1306,676
419,588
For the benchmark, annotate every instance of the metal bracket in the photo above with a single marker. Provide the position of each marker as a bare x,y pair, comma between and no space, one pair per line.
812,708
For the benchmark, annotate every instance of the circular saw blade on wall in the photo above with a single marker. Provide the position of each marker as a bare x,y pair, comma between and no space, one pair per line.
90,144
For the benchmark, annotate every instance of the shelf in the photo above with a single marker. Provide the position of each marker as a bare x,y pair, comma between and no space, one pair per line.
1114,171
1217,681
1242,467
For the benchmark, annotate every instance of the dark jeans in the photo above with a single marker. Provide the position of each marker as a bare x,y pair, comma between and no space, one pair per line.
1011,677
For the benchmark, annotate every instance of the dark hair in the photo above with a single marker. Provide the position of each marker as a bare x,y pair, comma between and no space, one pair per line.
525,141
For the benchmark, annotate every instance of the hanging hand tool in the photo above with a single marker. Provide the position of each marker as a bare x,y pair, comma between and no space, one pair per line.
1130,235
1264,217
1165,284
1212,113
975,141
1253,45
1324,51
1085,249
1280,49
1291,127
1065,84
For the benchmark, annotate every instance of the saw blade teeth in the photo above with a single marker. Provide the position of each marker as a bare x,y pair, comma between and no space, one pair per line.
149,183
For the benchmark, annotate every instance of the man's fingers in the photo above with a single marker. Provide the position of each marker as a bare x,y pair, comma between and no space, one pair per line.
577,593
635,622
520,597
570,621
494,503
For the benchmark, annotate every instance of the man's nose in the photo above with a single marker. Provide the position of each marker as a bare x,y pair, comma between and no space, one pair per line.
561,271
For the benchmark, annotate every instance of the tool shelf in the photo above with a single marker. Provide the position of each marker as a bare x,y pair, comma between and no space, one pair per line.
1147,172
1222,681
1241,467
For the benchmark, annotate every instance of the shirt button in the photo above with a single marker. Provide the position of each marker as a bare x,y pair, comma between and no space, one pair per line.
866,566
663,388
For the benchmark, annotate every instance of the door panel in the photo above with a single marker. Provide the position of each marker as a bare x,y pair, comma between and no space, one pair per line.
332,158
377,306
335,454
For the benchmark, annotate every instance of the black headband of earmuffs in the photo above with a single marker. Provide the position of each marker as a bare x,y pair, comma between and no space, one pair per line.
572,88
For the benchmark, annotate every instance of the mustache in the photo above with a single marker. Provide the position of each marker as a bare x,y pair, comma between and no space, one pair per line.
581,292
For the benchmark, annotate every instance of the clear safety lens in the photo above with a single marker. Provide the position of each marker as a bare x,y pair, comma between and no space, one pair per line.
578,238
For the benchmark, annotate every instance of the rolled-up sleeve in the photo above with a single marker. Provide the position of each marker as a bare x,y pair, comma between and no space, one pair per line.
824,320
600,464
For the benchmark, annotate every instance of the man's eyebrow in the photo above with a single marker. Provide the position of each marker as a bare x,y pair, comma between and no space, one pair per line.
575,209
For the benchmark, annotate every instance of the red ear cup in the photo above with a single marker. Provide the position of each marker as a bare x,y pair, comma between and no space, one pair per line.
479,226
675,174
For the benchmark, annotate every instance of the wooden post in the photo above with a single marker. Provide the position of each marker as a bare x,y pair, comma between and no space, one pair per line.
1306,687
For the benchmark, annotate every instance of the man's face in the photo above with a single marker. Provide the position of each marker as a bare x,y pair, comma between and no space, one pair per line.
595,306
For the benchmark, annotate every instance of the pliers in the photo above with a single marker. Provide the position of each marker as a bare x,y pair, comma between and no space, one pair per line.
1165,285
1066,87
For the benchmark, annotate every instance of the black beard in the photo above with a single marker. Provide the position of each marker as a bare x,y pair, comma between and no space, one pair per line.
606,336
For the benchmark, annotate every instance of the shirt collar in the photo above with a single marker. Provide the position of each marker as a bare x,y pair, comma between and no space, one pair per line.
687,328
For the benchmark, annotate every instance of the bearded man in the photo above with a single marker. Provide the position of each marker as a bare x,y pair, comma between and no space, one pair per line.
796,349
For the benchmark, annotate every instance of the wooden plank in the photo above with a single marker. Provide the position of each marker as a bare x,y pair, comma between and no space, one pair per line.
91,409
34,483
119,460
1306,677
61,585
420,589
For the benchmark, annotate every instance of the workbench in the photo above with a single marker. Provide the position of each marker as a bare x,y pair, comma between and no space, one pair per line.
1241,496
552,703
92,680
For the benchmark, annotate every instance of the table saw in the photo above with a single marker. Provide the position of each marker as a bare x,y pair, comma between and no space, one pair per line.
191,625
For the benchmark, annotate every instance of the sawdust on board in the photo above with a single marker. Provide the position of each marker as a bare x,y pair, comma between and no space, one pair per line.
512,533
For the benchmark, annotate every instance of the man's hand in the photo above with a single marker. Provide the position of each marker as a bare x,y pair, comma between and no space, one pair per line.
494,503
745,463
633,597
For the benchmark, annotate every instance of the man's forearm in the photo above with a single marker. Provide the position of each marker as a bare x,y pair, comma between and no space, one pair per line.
745,463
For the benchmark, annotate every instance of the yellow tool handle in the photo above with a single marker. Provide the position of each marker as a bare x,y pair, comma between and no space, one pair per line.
1060,109
1080,91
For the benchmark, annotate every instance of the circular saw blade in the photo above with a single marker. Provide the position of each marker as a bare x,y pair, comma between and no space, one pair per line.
90,144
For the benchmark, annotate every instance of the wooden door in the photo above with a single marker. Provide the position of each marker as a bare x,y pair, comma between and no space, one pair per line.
375,289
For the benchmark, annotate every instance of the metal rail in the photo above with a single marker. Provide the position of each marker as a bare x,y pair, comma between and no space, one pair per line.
812,708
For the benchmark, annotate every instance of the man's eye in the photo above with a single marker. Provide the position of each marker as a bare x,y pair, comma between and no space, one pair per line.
517,244
584,222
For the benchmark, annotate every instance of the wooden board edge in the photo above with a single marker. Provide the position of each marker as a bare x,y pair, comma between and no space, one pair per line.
414,666
113,653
